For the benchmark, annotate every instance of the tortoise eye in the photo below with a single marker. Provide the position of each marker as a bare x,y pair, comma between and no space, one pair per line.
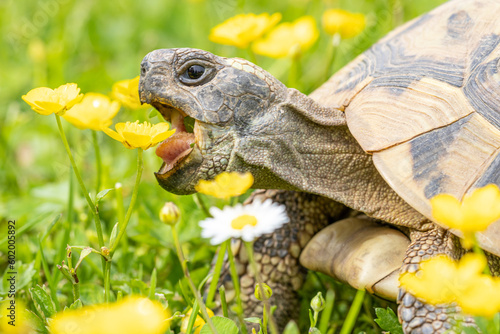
195,71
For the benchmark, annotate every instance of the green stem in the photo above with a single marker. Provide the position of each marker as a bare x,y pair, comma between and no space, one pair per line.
195,291
50,280
217,271
67,227
352,315
107,281
98,161
478,250
327,312
265,300
121,214
123,225
199,201
82,185
236,284
192,317
223,302
91,204
76,291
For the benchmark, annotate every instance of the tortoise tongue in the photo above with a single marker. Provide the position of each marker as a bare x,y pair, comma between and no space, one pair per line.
175,148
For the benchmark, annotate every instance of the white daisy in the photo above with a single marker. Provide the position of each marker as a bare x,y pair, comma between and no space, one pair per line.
247,222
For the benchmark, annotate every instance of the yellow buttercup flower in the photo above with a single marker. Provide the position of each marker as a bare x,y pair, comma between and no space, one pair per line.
96,111
135,135
482,297
198,323
46,101
14,318
130,316
444,281
475,213
243,29
288,38
225,185
127,92
347,24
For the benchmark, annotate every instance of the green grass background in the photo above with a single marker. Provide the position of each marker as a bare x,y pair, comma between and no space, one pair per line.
96,43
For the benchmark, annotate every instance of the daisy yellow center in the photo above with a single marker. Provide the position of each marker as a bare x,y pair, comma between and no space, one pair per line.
240,222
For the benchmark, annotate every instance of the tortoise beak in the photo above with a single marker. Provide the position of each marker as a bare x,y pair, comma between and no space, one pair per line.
180,154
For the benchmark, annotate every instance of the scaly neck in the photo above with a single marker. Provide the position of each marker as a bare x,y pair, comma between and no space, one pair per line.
309,148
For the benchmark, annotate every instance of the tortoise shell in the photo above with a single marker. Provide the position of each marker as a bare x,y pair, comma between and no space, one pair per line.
425,102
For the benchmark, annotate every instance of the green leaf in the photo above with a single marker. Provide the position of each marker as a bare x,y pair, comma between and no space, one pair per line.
488,325
291,328
253,320
76,305
103,193
85,252
314,330
223,325
42,301
470,330
35,322
388,321
50,226
153,113
152,285
25,273
114,235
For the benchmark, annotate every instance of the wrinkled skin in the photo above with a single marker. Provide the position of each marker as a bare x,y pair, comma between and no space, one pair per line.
228,105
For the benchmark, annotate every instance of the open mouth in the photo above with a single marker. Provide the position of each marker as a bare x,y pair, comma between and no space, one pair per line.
177,147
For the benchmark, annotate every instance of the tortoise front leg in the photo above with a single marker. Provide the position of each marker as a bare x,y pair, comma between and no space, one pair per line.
416,316
277,254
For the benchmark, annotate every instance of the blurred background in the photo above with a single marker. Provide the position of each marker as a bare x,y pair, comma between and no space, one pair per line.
94,44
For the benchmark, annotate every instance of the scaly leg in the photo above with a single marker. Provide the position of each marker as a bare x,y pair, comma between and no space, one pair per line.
277,254
416,316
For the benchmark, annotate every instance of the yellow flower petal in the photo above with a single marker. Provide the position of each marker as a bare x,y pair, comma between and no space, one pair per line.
482,207
440,291
162,136
225,185
481,297
113,134
447,210
127,92
441,280
475,213
339,21
243,29
95,112
48,101
129,316
137,140
470,265
17,315
288,38
198,323
139,135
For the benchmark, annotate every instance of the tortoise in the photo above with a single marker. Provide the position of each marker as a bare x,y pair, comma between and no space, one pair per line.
356,161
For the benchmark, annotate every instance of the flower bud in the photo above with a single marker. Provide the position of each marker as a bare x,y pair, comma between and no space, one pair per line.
104,250
267,291
170,214
318,303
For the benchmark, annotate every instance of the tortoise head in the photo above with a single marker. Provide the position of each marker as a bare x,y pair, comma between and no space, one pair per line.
228,99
